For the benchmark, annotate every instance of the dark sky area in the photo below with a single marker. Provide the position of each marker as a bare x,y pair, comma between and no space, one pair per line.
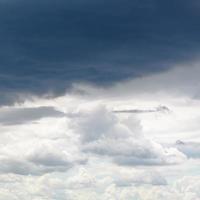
46,45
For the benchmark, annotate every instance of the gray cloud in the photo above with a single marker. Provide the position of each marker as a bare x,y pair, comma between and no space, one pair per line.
163,109
13,116
191,149
38,159
23,167
102,42
103,134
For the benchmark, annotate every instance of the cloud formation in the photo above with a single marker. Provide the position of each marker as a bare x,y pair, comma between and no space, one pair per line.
13,116
103,134
164,109
75,147
50,187
81,83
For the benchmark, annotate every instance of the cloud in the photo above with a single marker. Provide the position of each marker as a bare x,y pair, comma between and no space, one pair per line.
185,189
85,178
38,148
103,134
26,187
127,178
121,154
154,87
82,180
36,163
191,149
13,116
164,109
92,153
101,42
51,187
50,154
91,125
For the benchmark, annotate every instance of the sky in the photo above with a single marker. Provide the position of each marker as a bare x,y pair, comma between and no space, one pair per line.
100,100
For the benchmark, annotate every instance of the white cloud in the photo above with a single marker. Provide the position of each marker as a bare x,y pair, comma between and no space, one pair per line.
39,148
103,134
84,186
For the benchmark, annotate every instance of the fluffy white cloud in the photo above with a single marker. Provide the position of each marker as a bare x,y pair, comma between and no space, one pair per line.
103,134
39,148
57,144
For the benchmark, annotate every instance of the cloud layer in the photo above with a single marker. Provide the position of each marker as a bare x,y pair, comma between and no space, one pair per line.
77,146
59,43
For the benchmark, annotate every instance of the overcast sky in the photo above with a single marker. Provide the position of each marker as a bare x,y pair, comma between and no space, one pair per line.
99,100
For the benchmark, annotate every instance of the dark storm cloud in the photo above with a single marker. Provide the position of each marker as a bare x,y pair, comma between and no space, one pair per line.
47,45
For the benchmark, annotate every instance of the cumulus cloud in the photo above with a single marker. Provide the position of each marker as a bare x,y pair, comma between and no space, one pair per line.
52,187
83,187
69,141
38,149
38,161
103,134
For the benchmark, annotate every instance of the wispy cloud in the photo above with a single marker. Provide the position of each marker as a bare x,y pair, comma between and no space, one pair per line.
163,109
